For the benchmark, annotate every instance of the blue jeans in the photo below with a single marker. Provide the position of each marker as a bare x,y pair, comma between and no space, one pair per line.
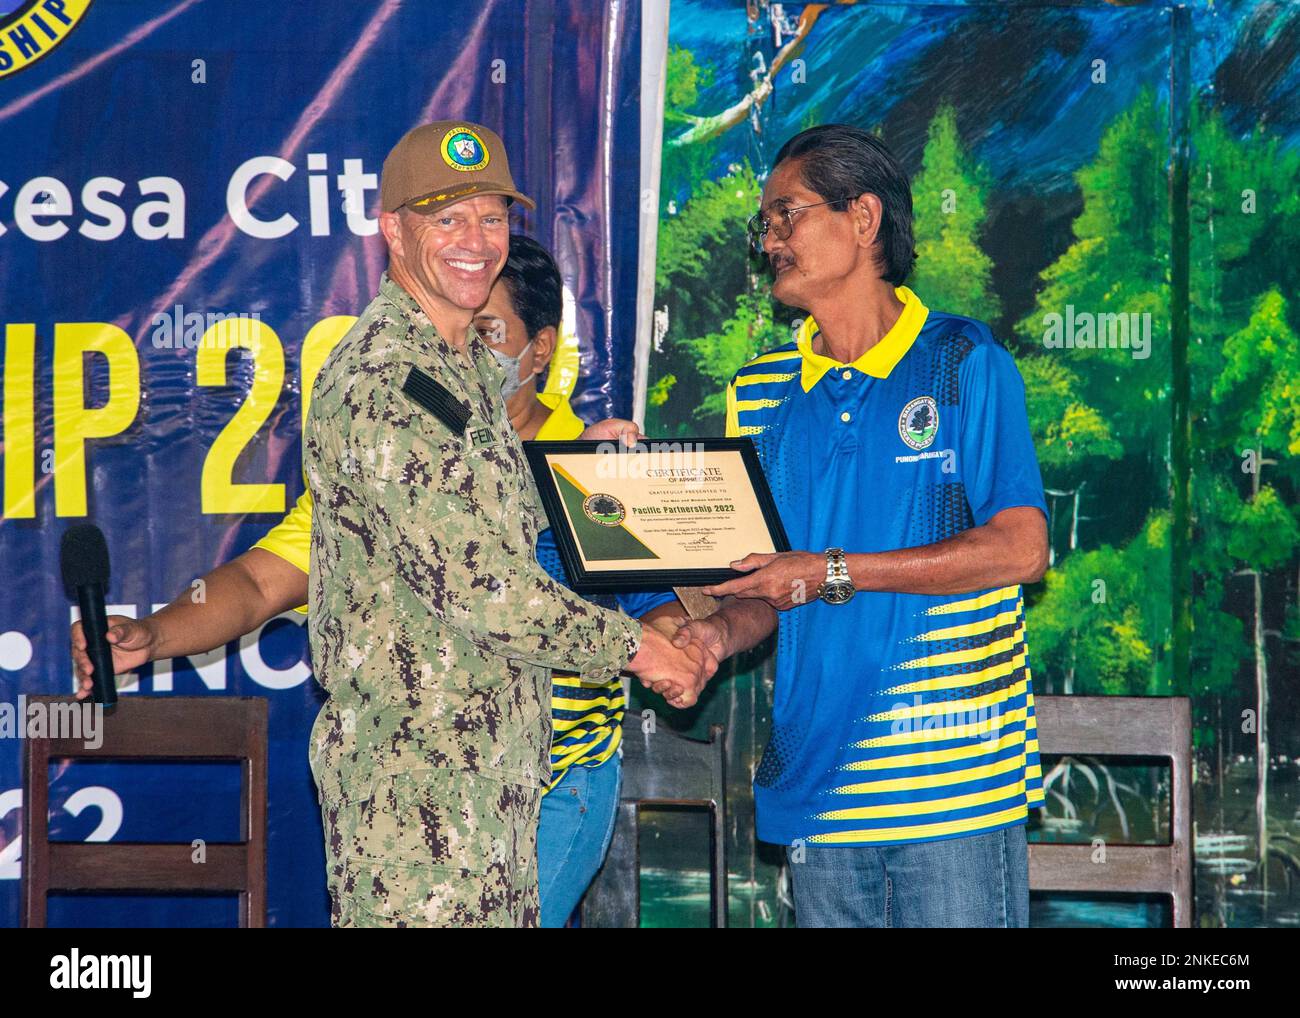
574,834
980,880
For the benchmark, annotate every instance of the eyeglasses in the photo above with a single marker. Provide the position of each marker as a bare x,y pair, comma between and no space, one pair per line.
759,224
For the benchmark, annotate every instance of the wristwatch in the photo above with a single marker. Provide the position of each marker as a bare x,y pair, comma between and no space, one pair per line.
838,588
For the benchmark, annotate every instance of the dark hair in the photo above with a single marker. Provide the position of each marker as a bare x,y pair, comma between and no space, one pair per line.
533,281
842,162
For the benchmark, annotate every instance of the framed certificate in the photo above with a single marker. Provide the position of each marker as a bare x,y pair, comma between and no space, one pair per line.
661,515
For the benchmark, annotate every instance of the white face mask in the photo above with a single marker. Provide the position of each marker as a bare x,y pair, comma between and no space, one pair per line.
510,365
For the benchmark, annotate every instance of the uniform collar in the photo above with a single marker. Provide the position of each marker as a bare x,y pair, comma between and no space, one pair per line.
880,359
431,340
410,307
404,302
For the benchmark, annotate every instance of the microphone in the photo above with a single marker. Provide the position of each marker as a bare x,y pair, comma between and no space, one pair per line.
83,558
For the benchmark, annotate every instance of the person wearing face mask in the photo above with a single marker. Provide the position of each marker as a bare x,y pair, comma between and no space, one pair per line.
431,762
520,323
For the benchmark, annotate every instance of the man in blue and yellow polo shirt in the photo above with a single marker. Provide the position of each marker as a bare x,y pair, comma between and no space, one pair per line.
903,757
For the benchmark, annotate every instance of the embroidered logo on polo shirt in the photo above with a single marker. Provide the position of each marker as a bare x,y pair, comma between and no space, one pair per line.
919,422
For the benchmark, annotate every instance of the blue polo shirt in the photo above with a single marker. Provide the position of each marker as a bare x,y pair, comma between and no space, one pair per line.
897,717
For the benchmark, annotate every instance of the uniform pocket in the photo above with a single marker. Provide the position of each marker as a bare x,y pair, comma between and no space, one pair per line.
462,820
380,893
437,847
497,463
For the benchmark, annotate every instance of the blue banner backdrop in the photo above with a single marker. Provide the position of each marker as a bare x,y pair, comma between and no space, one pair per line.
162,161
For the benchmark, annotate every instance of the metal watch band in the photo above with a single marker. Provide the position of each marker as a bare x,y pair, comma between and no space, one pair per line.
837,567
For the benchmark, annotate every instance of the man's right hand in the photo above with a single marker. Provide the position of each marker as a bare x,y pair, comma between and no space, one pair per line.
131,643
677,673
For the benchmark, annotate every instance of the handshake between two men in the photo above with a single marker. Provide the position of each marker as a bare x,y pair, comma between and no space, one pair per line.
677,658
745,616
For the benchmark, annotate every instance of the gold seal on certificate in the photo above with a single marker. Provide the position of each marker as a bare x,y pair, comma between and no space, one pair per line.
662,514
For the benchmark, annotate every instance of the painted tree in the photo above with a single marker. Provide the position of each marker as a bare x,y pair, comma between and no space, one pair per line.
1260,380
1118,264
1091,625
683,165
706,128
949,199
1245,381
1070,438
1099,414
717,317
1245,213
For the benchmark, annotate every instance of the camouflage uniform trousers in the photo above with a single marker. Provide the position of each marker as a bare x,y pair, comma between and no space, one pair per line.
432,847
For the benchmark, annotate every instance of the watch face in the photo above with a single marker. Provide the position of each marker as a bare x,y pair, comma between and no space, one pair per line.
837,593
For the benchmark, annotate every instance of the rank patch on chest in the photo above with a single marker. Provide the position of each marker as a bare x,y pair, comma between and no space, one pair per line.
435,397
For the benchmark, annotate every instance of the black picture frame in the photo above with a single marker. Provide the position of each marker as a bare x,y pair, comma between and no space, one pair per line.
585,582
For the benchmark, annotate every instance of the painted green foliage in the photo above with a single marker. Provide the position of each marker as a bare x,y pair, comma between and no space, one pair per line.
1089,630
1066,430
686,164
1118,264
1261,375
948,208
718,318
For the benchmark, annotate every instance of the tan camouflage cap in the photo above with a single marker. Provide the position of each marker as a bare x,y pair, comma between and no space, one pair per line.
447,161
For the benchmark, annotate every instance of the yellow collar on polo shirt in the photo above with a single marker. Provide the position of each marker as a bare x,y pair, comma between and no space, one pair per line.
562,424
880,359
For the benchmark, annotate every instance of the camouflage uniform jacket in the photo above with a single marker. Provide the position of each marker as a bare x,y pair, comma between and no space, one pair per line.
433,628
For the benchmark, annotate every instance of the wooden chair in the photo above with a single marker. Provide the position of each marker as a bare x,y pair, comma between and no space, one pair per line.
1133,726
172,728
660,769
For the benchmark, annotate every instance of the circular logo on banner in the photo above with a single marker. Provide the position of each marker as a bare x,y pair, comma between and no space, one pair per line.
29,29
463,149
604,509
919,422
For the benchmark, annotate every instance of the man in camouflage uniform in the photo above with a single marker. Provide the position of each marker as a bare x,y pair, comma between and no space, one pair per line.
433,628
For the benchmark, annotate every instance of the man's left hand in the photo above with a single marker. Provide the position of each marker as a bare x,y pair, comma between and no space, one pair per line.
784,580
612,429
